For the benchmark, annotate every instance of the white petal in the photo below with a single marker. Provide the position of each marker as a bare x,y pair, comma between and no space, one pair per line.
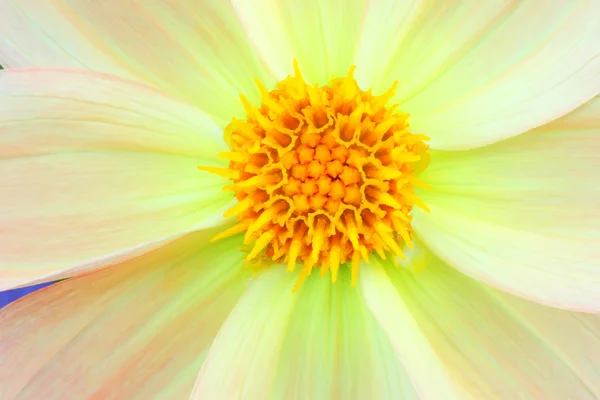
137,330
475,72
242,362
321,35
497,346
422,364
335,349
523,215
320,343
93,168
195,50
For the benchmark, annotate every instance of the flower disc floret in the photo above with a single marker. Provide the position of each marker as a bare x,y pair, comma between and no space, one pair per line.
323,175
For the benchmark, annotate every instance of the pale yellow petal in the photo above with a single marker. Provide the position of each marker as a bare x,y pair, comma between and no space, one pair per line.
497,346
523,215
319,343
137,330
475,72
193,49
242,362
334,349
92,168
321,35
422,364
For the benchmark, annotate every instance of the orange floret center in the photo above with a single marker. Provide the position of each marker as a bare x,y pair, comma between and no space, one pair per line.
323,175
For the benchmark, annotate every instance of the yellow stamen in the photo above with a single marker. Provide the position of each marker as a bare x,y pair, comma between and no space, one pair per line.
324,175
224,172
239,228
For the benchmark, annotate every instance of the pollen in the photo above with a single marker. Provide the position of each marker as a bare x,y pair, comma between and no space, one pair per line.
324,176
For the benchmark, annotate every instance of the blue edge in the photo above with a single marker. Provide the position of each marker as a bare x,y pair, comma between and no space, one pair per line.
11,295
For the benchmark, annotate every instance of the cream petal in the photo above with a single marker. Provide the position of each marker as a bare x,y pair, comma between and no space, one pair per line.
242,362
418,357
93,168
523,215
475,72
320,343
137,330
335,349
193,49
497,346
115,114
321,35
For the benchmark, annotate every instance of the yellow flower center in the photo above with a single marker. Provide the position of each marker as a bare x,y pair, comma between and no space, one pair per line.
323,175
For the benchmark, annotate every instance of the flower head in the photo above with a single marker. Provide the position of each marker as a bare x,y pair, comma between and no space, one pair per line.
323,176
436,162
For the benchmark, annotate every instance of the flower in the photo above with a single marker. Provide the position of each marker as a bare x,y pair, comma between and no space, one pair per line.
113,117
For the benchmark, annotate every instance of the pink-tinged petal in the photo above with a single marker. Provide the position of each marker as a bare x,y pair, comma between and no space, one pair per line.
497,346
475,72
318,343
93,168
28,32
84,111
242,361
523,215
193,49
422,364
321,35
137,330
